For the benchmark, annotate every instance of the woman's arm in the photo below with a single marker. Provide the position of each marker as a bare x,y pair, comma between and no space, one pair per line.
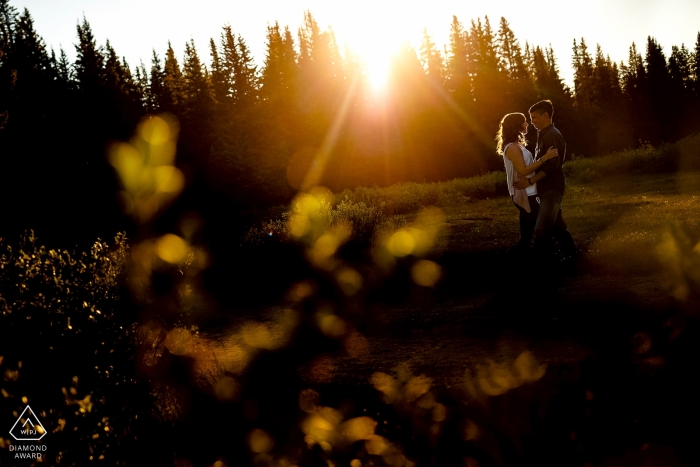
515,155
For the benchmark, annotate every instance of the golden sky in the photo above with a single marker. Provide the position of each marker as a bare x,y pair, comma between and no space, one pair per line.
373,28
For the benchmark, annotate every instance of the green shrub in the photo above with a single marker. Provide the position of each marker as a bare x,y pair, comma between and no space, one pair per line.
66,340
410,197
366,220
666,158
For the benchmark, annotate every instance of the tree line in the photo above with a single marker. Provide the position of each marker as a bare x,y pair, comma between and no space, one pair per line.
253,134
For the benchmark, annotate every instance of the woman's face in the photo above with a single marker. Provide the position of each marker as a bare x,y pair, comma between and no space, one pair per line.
524,127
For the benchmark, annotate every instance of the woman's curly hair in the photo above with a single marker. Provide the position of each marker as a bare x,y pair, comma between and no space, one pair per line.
510,131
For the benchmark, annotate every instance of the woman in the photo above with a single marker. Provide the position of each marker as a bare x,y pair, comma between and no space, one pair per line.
519,163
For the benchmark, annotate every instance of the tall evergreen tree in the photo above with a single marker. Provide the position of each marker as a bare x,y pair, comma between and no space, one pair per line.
89,64
458,69
681,89
634,86
29,45
511,56
219,83
141,86
695,67
32,85
246,83
65,69
658,85
584,78
321,78
8,15
157,97
173,84
280,72
231,63
114,72
195,85
489,80
695,85
196,91
431,58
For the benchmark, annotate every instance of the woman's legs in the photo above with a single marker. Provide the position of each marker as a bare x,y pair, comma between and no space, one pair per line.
527,222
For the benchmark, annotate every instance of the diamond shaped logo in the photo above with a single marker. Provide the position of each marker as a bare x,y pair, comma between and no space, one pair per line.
28,427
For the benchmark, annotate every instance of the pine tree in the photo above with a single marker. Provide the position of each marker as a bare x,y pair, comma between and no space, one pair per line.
64,68
609,112
197,108
246,79
584,78
511,55
520,86
195,85
114,73
658,84
321,77
89,64
173,84
280,73
489,78
157,98
607,82
695,67
231,63
634,87
681,89
218,76
32,78
8,17
458,81
28,46
141,86
431,59
694,64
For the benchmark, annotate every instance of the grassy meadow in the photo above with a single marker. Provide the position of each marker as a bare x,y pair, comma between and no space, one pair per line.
634,191
405,334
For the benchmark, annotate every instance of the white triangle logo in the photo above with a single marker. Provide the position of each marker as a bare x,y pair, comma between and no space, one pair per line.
28,427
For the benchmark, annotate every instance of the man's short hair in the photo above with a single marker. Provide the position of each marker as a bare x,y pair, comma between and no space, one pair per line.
542,107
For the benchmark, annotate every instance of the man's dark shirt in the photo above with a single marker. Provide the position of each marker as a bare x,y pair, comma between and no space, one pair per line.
546,138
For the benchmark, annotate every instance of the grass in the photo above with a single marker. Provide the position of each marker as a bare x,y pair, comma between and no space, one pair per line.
621,209
615,360
683,155
372,209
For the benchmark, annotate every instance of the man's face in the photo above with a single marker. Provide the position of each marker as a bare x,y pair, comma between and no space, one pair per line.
538,120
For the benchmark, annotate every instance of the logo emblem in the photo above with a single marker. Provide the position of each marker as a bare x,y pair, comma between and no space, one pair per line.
28,427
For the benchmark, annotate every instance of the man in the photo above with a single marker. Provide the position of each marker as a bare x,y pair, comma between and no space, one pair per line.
551,185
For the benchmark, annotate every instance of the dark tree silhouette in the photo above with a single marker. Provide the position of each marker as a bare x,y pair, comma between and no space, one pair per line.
248,131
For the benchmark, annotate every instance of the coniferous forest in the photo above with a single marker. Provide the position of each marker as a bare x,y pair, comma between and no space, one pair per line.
250,128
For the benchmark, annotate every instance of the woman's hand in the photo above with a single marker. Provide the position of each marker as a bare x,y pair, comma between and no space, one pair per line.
521,184
551,154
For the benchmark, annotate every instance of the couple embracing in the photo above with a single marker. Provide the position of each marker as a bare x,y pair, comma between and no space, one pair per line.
536,182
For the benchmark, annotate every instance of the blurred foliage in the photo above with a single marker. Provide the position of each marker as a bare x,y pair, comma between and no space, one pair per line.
108,344
146,168
373,212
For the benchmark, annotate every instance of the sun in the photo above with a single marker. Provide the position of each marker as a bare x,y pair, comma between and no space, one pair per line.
376,57
377,71
374,39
